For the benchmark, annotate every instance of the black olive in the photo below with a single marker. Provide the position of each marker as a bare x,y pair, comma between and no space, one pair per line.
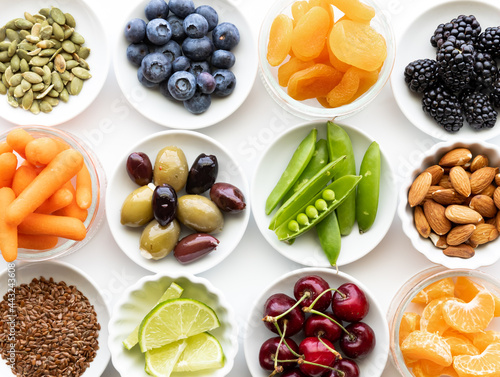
139,168
164,204
203,174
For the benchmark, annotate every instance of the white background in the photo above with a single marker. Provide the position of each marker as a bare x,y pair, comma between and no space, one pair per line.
111,126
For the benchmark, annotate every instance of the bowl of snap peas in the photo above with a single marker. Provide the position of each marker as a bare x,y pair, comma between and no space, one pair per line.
324,194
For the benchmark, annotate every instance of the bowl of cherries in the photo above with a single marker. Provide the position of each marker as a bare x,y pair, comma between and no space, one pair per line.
316,322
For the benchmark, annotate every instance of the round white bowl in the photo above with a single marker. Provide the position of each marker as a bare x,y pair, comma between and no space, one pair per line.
306,249
154,106
120,186
89,25
142,296
61,271
256,333
486,254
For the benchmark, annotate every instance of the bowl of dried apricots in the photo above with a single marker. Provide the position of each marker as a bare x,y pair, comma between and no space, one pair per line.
446,323
325,58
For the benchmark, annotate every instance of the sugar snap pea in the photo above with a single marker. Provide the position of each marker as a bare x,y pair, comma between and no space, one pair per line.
329,237
340,144
325,202
294,169
368,189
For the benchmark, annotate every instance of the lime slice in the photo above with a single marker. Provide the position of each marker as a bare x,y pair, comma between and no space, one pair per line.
174,320
173,291
203,351
160,361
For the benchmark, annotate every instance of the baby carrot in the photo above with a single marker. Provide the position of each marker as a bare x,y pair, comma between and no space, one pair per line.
72,209
36,242
24,175
60,199
8,233
59,171
41,151
5,147
8,165
51,225
17,139
83,188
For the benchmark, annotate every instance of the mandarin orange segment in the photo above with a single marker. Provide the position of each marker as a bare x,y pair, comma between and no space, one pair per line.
482,340
466,289
460,345
312,82
358,44
309,35
424,345
426,368
432,317
441,288
409,323
280,40
449,371
487,364
346,89
355,9
286,70
299,8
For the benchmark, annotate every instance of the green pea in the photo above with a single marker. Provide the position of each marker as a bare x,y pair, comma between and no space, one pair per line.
368,189
320,205
311,212
328,195
302,219
293,226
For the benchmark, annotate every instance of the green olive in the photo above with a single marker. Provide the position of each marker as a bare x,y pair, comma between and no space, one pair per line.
158,241
199,213
171,167
137,209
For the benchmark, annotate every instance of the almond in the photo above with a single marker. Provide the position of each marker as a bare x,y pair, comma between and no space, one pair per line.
459,156
484,233
484,205
492,221
437,172
489,191
497,179
431,191
421,223
460,214
419,188
480,161
460,234
445,181
435,215
438,241
461,251
496,197
447,197
482,178
497,217
460,180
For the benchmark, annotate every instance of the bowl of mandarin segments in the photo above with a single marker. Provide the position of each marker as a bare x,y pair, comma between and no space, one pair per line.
325,59
446,322
66,220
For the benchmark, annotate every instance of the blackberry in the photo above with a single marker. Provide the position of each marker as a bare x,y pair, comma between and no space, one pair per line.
465,28
495,93
421,74
456,63
443,107
489,41
479,111
485,71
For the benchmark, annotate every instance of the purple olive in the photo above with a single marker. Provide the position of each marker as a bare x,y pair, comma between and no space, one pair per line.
194,246
227,197
139,168
164,204
202,174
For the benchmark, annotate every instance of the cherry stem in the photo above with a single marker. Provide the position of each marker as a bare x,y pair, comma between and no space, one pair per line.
319,296
335,352
269,318
285,322
302,361
282,334
312,311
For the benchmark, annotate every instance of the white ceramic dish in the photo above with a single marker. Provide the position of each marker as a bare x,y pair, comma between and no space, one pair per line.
120,186
306,249
256,333
414,45
142,296
154,106
61,271
88,24
486,254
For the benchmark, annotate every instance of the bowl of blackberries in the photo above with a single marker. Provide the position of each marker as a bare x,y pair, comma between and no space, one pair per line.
449,84
185,64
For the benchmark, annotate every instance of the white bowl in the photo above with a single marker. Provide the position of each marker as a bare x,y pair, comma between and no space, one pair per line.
414,43
306,249
120,186
486,254
142,296
256,333
154,106
61,271
89,25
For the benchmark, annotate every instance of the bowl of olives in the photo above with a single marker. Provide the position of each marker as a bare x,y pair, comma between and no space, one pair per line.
177,200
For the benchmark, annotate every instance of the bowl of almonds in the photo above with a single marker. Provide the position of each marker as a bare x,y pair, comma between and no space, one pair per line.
450,204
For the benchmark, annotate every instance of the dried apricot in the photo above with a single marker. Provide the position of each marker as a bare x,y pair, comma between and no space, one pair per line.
324,102
309,35
286,70
326,6
280,40
299,8
367,81
312,82
355,10
346,89
335,62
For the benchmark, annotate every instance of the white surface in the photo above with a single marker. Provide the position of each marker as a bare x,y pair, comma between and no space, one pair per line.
306,249
112,126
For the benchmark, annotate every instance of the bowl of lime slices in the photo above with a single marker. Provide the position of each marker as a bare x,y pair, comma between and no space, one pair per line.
177,325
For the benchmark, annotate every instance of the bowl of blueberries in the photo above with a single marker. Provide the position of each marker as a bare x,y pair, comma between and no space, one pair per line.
185,64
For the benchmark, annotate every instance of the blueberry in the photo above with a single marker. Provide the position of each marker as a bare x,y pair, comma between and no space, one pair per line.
171,50
198,67
225,82
197,49
210,15
156,9
182,85
135,30
136,52
164,90
156,67
144,81
195,25
158,31
199,103
205,83
181,64
181,8
223,59
225,36
177,27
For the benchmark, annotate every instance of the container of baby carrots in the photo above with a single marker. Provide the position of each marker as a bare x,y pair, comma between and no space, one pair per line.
52,189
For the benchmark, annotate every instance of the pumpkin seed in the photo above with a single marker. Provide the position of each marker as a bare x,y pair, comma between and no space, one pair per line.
66,76
12,48
24,66
84,52
45,107
56,80
15,63
69,47
48,52
46,32
47,75
27,46
77,38
64,95
75,87
39,61
70,20
52,101
7,75
45,44
60,63
38,70
4,81
13,35
3,89
58,32
44,12
2,33
35,30
18,92
4,46
29,17
35,107
55,54
50,21
58,16
67,56
4,57
32,77
38,87
53,94
12,101
39,18
57,44
71,64
27,100
68,32
83,63
10,25
81,73
50,65
3,68
10,91
32,39
16,79
25,85
24,55
45,92
35,52
23,34
23,24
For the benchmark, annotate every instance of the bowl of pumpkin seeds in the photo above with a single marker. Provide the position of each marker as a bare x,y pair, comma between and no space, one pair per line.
53,61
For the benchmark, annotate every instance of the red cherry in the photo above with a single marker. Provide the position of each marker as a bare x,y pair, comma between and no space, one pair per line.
348,367
268,349
315,351
317,325
293,373
278,304
349,303
359,342
313,285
